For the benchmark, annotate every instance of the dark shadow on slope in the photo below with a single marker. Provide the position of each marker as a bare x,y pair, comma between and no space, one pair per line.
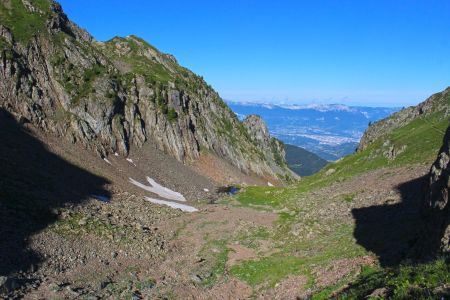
391,230
33,183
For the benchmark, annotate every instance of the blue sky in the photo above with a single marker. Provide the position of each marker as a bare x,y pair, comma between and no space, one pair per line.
389,53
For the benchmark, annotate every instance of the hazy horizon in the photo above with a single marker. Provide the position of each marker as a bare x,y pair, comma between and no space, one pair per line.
306,103
383,53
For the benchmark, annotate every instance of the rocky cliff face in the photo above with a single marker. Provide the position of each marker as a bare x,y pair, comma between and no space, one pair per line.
110,96
436,206
438,103
275,152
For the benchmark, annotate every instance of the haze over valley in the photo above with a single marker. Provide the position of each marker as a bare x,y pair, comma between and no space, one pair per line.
328,130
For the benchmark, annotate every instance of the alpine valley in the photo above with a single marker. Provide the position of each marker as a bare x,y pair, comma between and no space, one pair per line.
124,175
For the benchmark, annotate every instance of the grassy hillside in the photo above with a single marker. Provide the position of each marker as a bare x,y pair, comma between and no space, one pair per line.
303,162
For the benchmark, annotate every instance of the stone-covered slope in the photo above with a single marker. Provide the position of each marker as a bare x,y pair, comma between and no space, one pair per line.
109,96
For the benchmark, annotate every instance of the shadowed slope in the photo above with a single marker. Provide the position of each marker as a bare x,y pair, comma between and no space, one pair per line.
390,230
33,183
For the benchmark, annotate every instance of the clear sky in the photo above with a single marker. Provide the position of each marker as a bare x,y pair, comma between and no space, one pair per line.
388,53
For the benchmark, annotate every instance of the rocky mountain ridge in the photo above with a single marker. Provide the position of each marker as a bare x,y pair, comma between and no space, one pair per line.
438,104
115,95
259,133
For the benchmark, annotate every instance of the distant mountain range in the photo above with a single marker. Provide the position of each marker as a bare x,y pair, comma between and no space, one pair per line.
330,131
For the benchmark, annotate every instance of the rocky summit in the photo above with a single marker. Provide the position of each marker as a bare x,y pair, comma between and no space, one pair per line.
115,95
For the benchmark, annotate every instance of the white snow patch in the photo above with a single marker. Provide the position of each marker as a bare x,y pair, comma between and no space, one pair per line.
206,190
319,107
183,207
269,183
107,161
131,161
329,139
158,189
116,154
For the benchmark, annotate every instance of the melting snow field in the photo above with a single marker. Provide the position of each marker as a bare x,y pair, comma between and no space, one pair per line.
183,207
159,190
164,192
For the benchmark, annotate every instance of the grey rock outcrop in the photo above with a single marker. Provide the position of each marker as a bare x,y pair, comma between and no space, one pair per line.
110,96
275,152
436,206
257,127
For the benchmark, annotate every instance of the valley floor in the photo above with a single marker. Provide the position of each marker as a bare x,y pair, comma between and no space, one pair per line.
264,243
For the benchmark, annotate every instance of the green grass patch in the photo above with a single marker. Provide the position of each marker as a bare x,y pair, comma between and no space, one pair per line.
421,281
298,256
152,70
211,223
349,197
329,291
172,115
251,237
326,245
23,23
69,225
216,254
262,196
268,270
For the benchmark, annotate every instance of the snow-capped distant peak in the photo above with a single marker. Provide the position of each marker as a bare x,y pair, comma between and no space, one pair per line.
311,106
252,104
319,107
